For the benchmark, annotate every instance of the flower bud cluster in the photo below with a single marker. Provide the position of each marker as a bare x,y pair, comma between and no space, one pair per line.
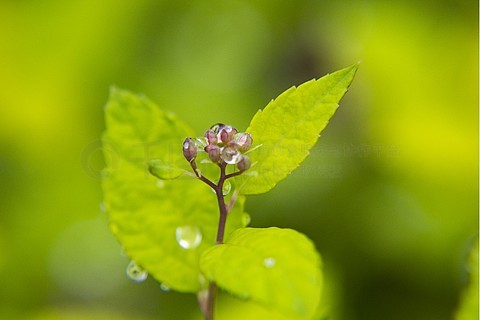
224,145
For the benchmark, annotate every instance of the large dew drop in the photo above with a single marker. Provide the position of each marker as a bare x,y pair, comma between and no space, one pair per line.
136,272
246,219
188,237
227,187
269,262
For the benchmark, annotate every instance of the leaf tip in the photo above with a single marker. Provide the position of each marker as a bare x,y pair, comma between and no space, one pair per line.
114,90
114,94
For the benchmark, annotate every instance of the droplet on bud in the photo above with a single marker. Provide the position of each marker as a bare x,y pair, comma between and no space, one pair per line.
217,127
188,237
230,155
136,272
189,149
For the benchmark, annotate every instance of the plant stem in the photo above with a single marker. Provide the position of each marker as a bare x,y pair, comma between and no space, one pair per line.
221,206
212,292
218,188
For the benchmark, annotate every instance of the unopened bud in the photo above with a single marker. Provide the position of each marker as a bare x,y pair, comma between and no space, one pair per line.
226,134
211,136
244,163
243,140
213,152
189,149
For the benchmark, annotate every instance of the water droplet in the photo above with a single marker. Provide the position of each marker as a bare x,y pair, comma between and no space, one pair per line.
102,207
269,262
188,237
246,219
164,287
160,183
227,187
202,142
136,272
231,155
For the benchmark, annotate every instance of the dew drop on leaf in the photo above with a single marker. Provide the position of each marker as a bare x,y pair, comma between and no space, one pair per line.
188,237
246,219
227,187
164,287
269,262
160,183
136,272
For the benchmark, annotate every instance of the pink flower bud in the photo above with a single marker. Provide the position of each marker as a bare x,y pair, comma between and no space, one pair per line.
213,152
211,136
243,140
244,163
189,149
226,134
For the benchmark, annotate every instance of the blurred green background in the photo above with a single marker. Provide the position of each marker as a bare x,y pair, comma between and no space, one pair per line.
389,194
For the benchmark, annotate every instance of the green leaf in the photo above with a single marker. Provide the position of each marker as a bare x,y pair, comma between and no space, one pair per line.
289,126
468,308
147,214
164,171
278,268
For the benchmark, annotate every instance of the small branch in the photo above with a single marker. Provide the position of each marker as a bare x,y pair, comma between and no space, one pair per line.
234,174
193,164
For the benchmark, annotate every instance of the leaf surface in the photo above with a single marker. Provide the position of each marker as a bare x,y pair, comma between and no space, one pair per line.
468,308
278,268
288,128
150,217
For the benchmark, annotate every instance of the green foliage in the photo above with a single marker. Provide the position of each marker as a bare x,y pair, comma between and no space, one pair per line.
167,221
164,171
469,302
289,126
144,211
276,267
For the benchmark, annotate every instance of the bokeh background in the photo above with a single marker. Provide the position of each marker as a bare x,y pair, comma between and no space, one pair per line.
389,194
